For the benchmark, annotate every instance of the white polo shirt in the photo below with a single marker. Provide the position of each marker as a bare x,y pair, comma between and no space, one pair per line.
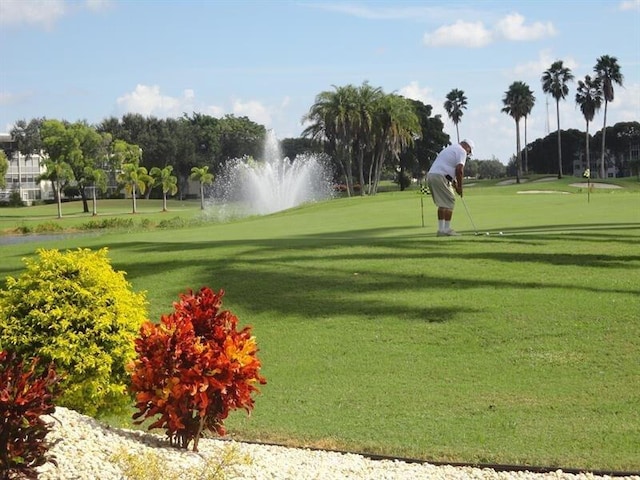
448,159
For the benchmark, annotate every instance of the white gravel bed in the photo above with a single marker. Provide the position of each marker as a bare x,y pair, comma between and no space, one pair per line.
86,449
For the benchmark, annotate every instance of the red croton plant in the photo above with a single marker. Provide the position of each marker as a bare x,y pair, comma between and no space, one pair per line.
25,395
193,368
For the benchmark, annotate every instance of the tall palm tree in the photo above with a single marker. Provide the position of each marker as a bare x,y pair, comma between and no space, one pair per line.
331,120
529,101
454,105
135,179
515,102
204,177
589,98
367,101
554,82
169,183
395,128
608,72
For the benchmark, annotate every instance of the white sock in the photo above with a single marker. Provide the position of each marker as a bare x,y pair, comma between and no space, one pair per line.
441,225
447,225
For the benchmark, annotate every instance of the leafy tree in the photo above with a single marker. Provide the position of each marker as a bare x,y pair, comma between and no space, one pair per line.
4,167
59,147
292,147
454,105
168,182
429,142
516,104
608,72
27,136
204,177
491,169
554,82
239,137
589,98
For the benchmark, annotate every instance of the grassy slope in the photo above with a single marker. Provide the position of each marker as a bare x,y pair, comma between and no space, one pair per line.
376,335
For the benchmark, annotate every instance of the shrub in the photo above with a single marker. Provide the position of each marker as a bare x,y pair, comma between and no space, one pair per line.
74,310
24,397
152,466
193,367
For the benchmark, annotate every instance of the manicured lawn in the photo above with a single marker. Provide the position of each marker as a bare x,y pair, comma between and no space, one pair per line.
377,336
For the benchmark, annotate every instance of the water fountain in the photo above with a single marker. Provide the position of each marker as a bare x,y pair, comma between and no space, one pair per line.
251,187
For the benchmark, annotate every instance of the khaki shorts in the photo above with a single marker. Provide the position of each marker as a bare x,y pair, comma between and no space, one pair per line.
441,191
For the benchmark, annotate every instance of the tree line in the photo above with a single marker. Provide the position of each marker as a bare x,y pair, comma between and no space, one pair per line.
366,133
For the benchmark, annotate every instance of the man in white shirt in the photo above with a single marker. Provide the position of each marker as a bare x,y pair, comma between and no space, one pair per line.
444,176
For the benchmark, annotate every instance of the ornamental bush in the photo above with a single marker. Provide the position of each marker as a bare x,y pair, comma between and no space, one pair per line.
74,310
24,397
193,368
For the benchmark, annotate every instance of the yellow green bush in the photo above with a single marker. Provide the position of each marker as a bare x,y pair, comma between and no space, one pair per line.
73,309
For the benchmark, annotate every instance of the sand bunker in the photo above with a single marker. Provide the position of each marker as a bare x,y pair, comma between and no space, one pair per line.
511,181
594,185
543,191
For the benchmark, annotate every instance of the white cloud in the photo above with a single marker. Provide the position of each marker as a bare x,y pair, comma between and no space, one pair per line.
512,27
460,34
629,5
415,92
254,110
7,98
475,35
535,68
42,13
147,100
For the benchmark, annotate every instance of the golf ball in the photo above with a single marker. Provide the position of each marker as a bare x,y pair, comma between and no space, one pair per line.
487,233
500,233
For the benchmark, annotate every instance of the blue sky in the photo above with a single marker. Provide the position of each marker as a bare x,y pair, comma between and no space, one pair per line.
268,59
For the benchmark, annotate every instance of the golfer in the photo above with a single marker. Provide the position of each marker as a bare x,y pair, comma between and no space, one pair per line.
444,176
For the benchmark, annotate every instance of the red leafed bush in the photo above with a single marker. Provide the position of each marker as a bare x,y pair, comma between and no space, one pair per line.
25,395
193,368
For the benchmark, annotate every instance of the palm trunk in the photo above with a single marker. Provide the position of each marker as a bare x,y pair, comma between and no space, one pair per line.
526,150
587,148
604,134
559,140
518,153
58,194
95,202
164,202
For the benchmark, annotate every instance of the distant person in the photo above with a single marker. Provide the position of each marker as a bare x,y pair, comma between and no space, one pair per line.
444,176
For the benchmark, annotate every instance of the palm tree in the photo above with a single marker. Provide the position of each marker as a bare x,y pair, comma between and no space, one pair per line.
554,82
169,183
516,101
608,72
454,105
58,172
331,121
396,127
97,179
204,177
135,179
589,98
366,104
530,101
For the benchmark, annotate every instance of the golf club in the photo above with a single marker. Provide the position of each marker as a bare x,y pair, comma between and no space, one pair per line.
469,215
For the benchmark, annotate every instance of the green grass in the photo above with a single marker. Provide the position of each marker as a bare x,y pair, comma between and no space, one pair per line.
377,336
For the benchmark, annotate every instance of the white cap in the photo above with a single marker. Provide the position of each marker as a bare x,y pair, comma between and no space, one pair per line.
470,143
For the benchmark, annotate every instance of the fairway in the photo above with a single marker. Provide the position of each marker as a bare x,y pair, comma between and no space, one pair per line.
376,335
